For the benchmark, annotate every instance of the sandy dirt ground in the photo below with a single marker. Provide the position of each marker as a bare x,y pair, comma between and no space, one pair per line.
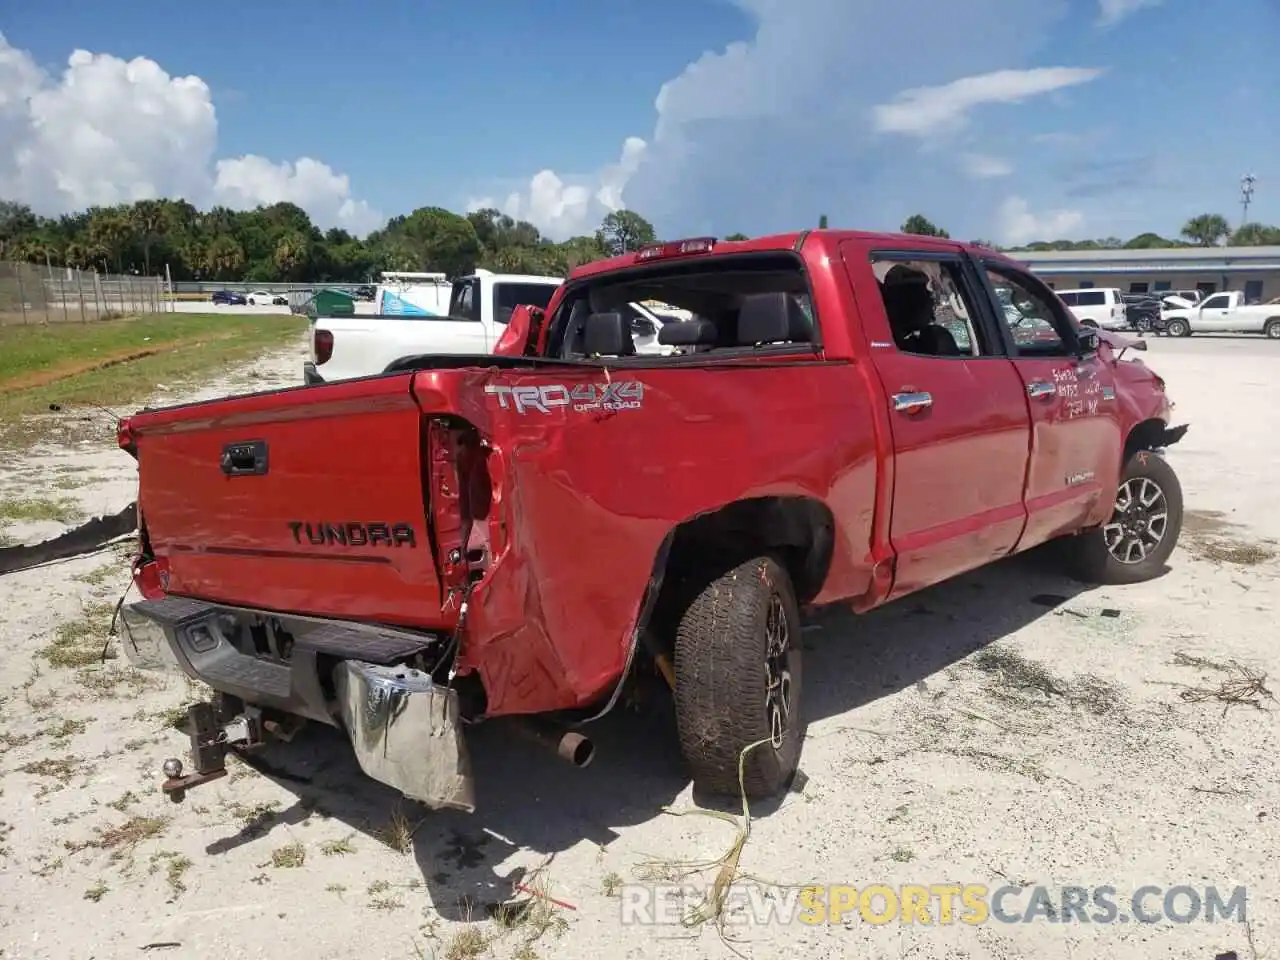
1008,727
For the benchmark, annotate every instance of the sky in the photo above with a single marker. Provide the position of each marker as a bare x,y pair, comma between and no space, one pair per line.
1005,120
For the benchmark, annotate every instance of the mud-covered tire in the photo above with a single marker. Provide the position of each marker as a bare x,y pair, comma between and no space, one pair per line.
723,670
1107,554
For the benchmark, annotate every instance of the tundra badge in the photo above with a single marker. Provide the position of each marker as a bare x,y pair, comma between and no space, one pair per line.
354,534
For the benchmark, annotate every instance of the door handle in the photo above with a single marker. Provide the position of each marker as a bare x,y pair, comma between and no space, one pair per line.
247,459
1041,388
911,402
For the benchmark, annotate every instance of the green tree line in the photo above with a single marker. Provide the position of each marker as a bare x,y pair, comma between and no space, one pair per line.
280,243
1205,230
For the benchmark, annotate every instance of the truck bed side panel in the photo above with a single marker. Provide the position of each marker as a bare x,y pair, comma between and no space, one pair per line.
588,497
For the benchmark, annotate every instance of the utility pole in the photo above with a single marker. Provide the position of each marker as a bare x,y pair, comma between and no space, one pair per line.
1246,196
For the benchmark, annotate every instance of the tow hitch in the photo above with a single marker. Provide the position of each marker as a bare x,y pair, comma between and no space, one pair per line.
212,740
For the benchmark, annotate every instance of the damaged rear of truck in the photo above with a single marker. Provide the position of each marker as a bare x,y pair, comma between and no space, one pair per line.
473,538
518,537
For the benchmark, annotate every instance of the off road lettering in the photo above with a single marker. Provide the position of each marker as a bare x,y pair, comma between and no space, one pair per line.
352,534
581,398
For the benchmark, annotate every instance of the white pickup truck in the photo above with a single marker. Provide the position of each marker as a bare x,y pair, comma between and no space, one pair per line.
480,306
1224,313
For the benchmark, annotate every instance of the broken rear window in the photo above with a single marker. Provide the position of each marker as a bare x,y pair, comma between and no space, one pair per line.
726,304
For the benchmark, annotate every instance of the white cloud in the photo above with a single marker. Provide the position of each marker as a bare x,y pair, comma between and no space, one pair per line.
1016,224
778,128
923,111
562,209
325,194
113,131
1111,12
982,166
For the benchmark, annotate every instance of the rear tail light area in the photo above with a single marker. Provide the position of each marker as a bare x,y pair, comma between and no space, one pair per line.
459,492
321,345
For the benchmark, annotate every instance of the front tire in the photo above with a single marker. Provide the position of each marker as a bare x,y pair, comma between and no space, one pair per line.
738,681
1272,329
1134,544
1178,328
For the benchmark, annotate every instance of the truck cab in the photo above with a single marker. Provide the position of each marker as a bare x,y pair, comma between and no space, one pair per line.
472,314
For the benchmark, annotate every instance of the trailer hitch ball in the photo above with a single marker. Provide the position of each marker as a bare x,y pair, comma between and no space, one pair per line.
172,768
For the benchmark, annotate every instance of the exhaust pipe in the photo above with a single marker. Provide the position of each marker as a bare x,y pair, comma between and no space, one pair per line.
566,744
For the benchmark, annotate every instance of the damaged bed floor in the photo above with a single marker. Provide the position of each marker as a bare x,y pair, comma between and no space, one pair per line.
1008,727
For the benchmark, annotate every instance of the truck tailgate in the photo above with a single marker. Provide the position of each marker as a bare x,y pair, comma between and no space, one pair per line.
307,500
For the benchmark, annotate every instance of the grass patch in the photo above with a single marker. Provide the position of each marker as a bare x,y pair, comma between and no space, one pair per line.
1211,536
122,839
100,575
34,509
398,833
119,362
467,944
66,728
1020,681
62,769
96,892
110,682
79,642
175,865
337,848
291,855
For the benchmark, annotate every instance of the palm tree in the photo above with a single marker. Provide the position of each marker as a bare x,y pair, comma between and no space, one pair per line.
1207,230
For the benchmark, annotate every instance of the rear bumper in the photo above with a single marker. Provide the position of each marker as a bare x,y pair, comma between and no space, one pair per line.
311,376
405,729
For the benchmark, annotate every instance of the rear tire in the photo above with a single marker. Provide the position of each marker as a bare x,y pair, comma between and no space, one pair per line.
1133,546
738,681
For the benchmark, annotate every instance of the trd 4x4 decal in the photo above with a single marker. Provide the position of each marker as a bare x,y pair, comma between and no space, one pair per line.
581,397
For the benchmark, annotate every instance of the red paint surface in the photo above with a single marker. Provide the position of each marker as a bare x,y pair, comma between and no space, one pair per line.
578,504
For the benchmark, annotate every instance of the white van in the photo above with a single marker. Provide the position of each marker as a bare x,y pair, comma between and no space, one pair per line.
1097,307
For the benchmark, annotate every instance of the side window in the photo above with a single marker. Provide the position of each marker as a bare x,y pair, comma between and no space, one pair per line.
1070,298
462,304
1091,299
1039,328
1220,302
930,309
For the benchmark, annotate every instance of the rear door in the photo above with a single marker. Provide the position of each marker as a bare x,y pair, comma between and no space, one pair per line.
959,422
1076,439
307,500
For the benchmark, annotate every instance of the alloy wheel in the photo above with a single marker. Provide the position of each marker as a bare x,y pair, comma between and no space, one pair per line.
1140,521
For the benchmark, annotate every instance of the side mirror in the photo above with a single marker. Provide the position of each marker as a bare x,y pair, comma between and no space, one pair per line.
1088,341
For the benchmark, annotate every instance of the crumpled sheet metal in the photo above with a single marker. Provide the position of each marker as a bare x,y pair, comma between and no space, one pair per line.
407,733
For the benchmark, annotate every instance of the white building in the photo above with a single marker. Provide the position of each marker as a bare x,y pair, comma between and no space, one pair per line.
1255,271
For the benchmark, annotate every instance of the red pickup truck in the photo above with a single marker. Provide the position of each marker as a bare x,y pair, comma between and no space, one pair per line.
848,418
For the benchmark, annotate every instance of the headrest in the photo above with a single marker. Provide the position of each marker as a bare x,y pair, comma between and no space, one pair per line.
773,318
688,333
608,335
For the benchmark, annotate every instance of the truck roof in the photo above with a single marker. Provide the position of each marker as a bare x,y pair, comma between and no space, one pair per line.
787,241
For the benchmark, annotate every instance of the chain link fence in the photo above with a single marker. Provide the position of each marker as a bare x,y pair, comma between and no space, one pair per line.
30,293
